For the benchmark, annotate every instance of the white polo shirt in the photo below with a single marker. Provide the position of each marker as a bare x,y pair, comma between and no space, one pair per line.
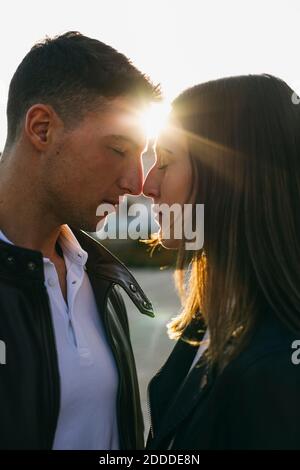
88,376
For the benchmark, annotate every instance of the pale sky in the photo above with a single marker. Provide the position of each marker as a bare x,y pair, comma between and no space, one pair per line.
178,43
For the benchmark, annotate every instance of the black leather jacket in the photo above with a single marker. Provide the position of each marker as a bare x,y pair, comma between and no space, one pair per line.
29,380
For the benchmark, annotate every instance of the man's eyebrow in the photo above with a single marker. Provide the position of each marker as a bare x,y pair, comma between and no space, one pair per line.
125,138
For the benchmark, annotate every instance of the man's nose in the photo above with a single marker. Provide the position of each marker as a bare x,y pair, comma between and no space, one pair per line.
131,182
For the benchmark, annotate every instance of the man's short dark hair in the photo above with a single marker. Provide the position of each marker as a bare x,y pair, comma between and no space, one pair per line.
71,72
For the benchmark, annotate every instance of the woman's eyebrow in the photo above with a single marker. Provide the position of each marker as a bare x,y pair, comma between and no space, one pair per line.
164,149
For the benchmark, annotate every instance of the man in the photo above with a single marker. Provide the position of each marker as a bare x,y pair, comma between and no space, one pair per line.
74,141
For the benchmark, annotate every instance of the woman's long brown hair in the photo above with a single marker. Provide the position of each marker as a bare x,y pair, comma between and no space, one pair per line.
244,141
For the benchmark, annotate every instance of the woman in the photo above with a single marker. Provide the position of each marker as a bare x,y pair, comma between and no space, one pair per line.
233,145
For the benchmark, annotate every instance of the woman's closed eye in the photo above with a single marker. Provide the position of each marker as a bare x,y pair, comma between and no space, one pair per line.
162,166
163,160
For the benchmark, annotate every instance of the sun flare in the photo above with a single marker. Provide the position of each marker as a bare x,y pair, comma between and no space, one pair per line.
155,118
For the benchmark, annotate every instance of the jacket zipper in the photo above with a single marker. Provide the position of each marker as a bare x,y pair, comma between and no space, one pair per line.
149,414
125,442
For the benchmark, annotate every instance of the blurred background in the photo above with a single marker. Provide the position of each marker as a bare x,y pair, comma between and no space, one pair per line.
151,344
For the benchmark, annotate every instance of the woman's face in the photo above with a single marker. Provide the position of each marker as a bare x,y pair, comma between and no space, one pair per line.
169,181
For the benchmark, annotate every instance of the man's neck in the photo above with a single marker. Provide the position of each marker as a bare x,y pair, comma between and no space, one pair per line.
24,219
30,236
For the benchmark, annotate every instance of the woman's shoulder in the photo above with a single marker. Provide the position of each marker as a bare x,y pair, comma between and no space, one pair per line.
270,358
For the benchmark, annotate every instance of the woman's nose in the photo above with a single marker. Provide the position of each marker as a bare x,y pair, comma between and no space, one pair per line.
151,187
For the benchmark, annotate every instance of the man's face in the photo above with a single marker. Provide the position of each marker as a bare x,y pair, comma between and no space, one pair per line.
95,163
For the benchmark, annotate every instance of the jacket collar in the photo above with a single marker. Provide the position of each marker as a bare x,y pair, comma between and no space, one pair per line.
18,263
103,264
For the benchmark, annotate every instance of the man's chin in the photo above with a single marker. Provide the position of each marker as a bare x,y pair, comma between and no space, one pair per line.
98,224
92,226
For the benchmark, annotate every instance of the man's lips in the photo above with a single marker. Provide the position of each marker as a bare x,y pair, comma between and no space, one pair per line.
115,202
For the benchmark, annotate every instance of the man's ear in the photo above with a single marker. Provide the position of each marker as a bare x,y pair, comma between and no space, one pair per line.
40,123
